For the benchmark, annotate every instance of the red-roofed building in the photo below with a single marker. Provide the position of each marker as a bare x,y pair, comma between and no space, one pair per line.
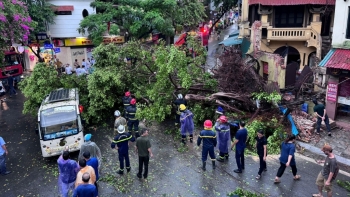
296,30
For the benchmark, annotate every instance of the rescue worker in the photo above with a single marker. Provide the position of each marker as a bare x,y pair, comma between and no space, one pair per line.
126,101
180,100
187,125
133,122
122,142
209,142
118,120
223,138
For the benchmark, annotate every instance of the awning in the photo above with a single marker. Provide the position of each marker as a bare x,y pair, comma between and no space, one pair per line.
337,58
231,41
236,33
63,8
292,2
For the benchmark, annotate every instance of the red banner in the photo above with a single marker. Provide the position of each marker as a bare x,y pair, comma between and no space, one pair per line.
332,91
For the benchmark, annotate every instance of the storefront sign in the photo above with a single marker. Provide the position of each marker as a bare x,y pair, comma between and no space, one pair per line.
116,40
57,50
77,42
48,46
332,91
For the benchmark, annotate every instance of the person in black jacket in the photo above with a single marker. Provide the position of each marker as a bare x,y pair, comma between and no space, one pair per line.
180,100
209,142
122,142
126,101
133,122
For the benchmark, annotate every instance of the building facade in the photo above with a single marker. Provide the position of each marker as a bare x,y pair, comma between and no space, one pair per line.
286,36
337,65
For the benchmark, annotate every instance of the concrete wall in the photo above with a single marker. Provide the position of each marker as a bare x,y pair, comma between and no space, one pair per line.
66,25
340,25
276,72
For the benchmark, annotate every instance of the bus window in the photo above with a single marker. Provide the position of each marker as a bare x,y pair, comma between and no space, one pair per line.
11,60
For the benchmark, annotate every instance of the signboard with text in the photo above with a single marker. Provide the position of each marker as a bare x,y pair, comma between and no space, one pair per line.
332,91
116,40
77,42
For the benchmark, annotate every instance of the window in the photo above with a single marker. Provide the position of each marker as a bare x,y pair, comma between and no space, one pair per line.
85,13
289,16
347,36
63,12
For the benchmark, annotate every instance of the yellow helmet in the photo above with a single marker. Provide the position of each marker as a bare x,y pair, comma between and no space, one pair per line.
182,107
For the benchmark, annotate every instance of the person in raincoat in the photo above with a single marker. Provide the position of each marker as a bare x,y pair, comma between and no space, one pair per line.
223,138
68,170
92,148
187,125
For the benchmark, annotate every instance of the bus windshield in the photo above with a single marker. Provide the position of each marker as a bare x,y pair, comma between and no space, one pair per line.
59,122
11,60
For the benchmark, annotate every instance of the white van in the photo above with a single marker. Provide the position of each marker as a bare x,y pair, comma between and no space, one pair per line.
59,122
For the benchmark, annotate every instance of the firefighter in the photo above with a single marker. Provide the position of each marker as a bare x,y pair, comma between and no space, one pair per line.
187,125
118,120
209,142
223,138
180,100
133,122
122,142
126,101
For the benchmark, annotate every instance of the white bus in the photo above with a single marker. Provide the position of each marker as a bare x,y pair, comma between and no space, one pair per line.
59,122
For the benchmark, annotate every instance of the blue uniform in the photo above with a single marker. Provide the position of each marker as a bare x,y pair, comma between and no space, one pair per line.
122,140
133,122
209,142
223,139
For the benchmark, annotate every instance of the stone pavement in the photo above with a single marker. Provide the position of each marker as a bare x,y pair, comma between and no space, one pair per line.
340,141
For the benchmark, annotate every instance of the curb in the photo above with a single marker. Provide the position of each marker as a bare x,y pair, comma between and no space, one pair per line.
318,151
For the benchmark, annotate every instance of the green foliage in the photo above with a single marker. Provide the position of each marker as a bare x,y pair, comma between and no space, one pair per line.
201,113
244,193
153,74
273,131
344,184
141,17
274,97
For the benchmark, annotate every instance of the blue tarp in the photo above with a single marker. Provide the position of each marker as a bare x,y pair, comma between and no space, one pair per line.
294,128
232,41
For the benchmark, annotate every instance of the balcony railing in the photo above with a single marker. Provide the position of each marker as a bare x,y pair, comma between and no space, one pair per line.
297,34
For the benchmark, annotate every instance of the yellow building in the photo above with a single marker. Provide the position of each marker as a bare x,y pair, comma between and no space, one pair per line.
286,36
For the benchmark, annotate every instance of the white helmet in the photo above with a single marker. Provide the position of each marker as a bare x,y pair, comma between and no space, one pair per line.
117,113
179,96
121,129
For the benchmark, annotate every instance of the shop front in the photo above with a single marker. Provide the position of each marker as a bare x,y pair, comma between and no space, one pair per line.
338,87
77,49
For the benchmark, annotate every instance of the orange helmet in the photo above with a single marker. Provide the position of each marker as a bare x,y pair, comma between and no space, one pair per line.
208,124
133,101
223,119
127,93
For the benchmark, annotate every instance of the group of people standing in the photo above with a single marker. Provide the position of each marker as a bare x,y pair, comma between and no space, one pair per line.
219,135
86,67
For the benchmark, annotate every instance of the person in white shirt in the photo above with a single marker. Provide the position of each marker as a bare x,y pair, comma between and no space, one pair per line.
83,63
92,61
68,70
2,92
80,71
87,66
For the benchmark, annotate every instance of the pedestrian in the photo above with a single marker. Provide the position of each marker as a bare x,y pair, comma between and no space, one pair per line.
76,63
2,92
261,147
83,63
180,100
222,129
328,173
93,162
3,153
121,143
85,169
143,149
187,125
93,61
68,170
85,189
133,122
126,101
91,147
321,114
11,83
287,158
68,70
240,143
209,142
119,120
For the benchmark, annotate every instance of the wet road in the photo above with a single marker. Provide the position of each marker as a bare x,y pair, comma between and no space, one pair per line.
172,173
